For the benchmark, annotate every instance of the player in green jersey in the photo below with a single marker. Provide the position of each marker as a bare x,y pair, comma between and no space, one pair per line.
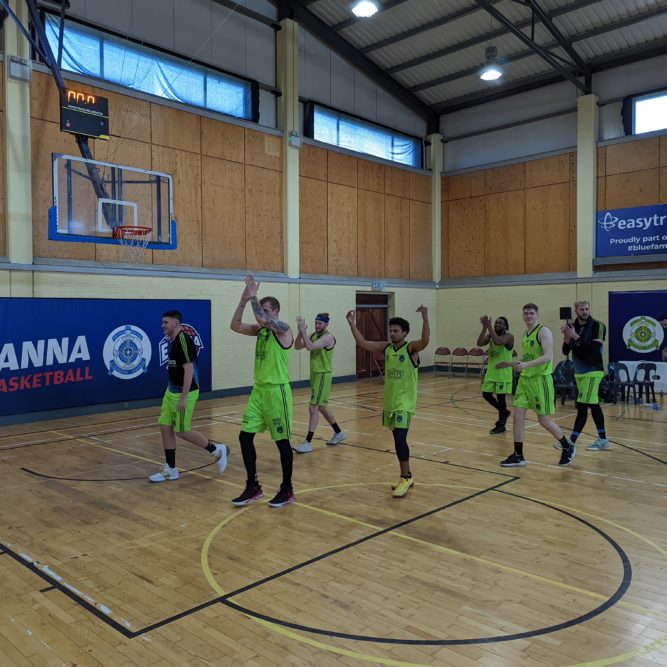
270,402
497,381
321,346
535,390
401,364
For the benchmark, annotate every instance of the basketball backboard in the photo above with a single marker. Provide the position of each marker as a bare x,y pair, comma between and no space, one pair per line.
92,199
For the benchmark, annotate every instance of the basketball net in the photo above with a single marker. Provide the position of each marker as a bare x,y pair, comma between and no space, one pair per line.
133,240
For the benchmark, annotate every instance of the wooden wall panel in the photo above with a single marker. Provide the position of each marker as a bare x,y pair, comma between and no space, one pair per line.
663,185
342,229
548,170
342,169
396,237
313,162
573,224
573,166
222,140
506,178
129,117
263,150
2,88
466,238
46,139
420,241
420,187
370,233
370,176
185,168
548,229
505,231
602,161
663,150
173,128
636,155
264,226
601,196
638,188
471,184
223,214
313,226
396,182
444,188
444,231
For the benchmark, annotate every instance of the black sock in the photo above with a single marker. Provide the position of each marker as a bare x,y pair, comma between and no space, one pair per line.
518,449
309,437
564,443
170,456
335,427
210,448
286,457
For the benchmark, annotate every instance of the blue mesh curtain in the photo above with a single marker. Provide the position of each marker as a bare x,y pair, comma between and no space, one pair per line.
102,56
332,127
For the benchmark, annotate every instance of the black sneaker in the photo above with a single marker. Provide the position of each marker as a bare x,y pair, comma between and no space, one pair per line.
498,428
513,461
253,492
567,455
284,497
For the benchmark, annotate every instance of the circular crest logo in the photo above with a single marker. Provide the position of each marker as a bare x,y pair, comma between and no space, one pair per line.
643,334
127,352
401,358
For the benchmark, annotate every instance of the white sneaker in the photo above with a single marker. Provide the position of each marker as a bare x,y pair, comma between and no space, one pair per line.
337,437
220,454
304,447
600,444
166,474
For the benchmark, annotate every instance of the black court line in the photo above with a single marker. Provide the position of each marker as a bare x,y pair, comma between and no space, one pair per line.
612,600
106,479
47,589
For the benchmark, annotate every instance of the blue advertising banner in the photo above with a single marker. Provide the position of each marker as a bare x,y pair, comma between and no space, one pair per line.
57,353
638,326
623,232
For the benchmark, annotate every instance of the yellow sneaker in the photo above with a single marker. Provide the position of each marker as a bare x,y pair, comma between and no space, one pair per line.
402,487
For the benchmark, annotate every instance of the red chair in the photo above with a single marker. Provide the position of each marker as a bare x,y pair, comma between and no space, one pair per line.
459,357
446,353
476,359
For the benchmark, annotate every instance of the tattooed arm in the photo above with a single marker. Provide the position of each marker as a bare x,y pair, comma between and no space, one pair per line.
266,317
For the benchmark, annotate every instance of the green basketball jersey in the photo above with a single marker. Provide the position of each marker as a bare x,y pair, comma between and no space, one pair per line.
271,359
498,353
532,350
400,380
320,360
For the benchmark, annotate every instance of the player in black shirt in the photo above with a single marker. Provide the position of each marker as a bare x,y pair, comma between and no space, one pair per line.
584,338
180,399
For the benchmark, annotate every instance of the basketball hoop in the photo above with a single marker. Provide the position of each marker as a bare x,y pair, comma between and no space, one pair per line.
134,240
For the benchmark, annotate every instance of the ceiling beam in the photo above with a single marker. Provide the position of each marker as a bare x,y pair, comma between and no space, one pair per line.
539,50
244,11
560,38
399,37
599,64
593,32
296,10
481,39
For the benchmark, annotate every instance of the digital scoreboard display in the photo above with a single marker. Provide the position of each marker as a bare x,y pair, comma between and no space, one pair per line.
86,114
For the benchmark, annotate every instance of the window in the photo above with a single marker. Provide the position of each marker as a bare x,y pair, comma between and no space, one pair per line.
650,113
333,127
112,58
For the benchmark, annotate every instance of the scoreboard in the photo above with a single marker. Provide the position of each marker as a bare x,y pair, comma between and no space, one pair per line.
86,114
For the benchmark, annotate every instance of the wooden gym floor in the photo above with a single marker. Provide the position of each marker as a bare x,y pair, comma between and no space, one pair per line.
478,565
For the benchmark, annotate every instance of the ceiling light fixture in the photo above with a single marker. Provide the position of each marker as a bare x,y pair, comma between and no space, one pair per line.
491,71
365,9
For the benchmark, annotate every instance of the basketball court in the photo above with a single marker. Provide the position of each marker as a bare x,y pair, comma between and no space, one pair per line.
477,565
